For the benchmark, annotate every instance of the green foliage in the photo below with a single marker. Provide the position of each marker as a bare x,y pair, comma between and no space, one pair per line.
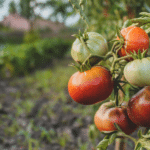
12,7
31,36
8,36
25,9
22,59
60,8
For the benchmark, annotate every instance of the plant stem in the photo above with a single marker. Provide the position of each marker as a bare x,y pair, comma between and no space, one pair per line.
115,44
117,60
122,58
127,136
76,6
120,144
116,97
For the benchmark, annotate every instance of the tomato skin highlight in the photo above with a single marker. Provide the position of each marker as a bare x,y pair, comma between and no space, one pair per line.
139,107
108,114
91,86
135,39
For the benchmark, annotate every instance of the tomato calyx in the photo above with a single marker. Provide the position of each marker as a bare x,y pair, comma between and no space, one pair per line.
119,42
83,36
81,67
139,55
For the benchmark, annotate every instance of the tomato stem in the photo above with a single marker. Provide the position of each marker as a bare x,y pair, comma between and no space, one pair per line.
123,58
127,136
114,45
116,97
77,7
116,59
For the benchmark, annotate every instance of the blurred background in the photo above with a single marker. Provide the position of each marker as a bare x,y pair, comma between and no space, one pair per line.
35,42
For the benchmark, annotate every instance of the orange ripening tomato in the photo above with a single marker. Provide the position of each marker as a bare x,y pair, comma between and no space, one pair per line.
108,114
135,39
91,86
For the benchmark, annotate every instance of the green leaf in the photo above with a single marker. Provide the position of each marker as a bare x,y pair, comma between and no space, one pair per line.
139,133
92,131
144,143
118,32
138,146
120,87
115,124
114,41
144,53
146,136
139,54
76,35
112,138
145,14
121,81
115,91
75,66
141,20
107,136
147,30
103,144
127,23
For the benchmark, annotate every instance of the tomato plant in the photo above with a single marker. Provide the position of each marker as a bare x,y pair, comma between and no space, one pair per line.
139,107
90,86
93,84
108,114
137,72
135,39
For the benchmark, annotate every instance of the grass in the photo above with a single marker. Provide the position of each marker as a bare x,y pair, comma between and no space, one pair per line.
46,79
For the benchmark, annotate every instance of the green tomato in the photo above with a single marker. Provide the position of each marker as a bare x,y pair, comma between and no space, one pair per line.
137,72
96,44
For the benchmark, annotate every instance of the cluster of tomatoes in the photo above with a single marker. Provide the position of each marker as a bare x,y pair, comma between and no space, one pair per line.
94,84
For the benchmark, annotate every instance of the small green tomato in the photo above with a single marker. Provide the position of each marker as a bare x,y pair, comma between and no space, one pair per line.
97,46
137,72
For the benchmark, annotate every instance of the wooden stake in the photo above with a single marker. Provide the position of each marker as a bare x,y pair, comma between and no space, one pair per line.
120,144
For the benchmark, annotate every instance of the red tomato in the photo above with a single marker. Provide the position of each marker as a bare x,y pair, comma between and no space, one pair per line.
91,86
135,39
108,114
139,107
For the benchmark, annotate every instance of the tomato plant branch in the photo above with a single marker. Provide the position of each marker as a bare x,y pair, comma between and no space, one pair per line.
108,55
77,7
123,58
81,3
127,136
114,45
116,59
116,96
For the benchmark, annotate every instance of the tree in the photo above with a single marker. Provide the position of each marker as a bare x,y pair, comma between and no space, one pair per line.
12,7
61,9
25,9
1,3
